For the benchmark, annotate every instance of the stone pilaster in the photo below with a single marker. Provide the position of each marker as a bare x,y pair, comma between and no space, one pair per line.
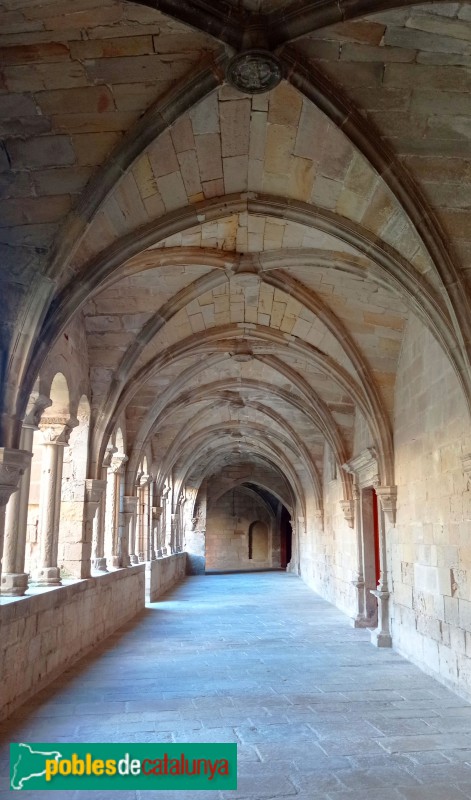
359,620
12,466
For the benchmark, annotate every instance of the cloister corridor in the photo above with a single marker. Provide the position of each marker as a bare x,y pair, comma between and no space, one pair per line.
318,713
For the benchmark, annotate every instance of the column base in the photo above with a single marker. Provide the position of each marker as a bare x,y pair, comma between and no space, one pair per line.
14,584
141,558
134,559
380,639
381,636
48,576
99,564
364,622
113,562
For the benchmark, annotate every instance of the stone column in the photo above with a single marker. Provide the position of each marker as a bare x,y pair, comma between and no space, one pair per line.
112,509
55,432
13,464
173,533
387,496
143,551
163,523
130,515
14,579
157,517
123,527
180,523
98,556
150,537
94,493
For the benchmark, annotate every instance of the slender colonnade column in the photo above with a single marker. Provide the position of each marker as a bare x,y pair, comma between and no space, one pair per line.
13,463
56,432
142,493
130,515
112,509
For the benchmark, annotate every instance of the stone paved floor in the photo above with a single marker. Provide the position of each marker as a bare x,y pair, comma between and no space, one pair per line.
260,660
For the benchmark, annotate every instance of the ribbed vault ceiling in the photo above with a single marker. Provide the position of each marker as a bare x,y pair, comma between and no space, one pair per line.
245,265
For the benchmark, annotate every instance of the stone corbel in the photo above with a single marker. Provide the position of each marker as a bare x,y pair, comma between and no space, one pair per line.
466,462
110,451
348,510
144,480
157,511
36,407
118,460
318,516
387,496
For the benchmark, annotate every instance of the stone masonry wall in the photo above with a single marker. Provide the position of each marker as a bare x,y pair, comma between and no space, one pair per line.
162,574
430,550
328,555
227,536
44,634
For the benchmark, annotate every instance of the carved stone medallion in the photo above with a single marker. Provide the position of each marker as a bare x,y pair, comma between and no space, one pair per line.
254,71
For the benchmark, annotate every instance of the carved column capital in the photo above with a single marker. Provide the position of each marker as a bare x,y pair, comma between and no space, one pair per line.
130,504
109,453
117,462
56,430
387,496
94,490
144,480
348,510
12,466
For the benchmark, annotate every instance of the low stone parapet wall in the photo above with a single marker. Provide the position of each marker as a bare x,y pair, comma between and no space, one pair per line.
42,634
162,574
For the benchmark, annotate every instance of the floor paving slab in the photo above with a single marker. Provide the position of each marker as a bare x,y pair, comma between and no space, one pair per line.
317,712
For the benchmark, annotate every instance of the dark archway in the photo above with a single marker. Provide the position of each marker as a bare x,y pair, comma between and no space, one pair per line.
286,535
